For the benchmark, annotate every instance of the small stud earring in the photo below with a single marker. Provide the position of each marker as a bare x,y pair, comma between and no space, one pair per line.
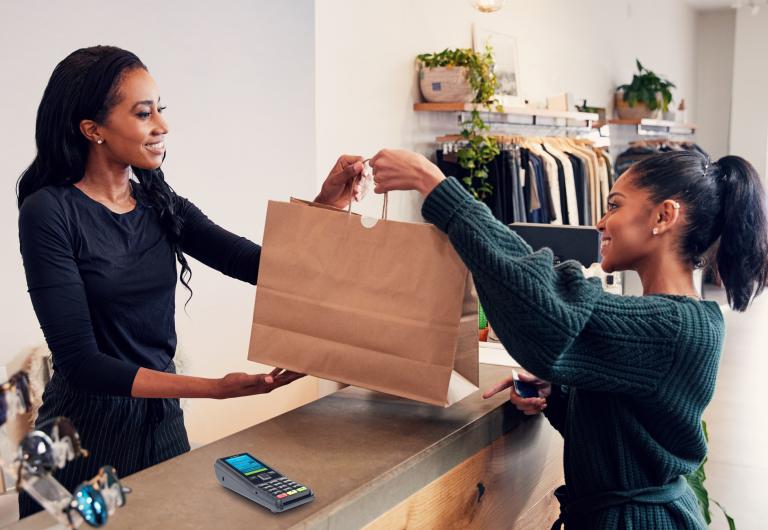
655,231
100,141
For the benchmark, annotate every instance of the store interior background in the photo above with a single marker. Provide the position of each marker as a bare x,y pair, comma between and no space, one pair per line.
263,96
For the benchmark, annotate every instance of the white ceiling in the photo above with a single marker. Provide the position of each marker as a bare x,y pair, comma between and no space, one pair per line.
710,4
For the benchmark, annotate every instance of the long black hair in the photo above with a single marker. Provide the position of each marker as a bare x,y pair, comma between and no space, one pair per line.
85,86
725,211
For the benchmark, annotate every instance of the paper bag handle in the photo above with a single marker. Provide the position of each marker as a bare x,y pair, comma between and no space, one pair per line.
384,207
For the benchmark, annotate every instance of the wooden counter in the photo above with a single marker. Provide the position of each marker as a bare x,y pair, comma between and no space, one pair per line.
374,461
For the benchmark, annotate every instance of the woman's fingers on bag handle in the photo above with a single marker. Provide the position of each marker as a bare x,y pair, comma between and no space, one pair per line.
392,170
399,169
347,170
351,166
347,160
336,188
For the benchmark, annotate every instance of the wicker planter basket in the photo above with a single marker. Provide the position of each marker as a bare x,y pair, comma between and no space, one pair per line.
446,84
638,112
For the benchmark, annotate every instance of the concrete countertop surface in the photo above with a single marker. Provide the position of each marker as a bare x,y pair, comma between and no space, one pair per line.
361,452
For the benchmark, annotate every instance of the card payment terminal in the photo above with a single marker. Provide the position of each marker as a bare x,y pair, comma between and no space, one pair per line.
255,480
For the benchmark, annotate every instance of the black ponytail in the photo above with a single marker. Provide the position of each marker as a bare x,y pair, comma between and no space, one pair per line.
725,212
742,255
85,86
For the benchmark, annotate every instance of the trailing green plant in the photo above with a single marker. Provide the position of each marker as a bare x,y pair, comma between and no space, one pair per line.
644,88
476,154
696,482
480,149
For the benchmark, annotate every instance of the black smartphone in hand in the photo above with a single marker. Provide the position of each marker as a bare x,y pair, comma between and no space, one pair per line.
524,389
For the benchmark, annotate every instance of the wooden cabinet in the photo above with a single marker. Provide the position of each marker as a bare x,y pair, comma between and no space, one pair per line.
512,480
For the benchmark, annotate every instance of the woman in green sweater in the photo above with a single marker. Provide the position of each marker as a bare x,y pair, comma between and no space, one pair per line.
625,379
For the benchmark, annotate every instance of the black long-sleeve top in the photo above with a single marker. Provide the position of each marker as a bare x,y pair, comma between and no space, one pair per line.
103,284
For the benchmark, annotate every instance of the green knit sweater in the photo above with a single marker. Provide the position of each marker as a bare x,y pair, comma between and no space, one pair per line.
631,375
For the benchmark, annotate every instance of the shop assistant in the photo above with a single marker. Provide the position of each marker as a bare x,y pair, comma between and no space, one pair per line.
100,232
625,379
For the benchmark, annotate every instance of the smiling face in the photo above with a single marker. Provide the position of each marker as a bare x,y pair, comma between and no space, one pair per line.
626,229
133,132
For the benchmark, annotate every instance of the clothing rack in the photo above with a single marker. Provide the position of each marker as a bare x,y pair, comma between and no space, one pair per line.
506,119
661,142
619,134
638,150
539,179
517,123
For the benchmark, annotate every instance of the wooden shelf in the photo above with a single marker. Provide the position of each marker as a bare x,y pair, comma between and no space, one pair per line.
519,111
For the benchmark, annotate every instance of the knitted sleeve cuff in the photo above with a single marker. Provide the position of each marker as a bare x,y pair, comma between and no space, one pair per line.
444,201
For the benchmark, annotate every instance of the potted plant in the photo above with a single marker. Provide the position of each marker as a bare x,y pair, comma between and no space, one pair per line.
696,482
457,75
470,79
644,96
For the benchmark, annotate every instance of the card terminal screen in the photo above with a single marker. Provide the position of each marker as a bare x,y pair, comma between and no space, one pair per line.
246,464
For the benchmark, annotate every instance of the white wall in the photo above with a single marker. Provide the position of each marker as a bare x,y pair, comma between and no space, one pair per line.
749,120
238,79
263,96
715,38
366,81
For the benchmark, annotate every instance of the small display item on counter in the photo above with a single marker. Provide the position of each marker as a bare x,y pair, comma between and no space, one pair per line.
96,499
14,396
51,447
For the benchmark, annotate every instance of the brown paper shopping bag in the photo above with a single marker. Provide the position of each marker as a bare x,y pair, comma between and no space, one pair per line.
389,307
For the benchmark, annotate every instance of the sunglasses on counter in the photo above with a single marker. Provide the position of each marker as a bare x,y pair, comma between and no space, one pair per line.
94,500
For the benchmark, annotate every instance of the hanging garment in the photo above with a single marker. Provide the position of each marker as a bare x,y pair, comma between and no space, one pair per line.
594,182
518,202
561,185
581,188
541,188
553,181
498,182
604,185
569,187
511,192
550,169
534,204
608,165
